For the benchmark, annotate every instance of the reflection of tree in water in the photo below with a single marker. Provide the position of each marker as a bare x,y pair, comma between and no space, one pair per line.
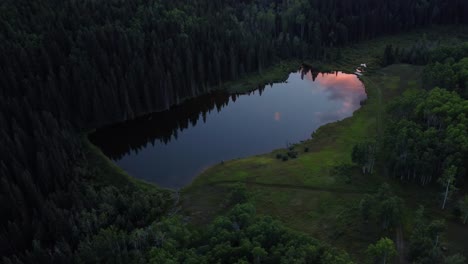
314,72
119,139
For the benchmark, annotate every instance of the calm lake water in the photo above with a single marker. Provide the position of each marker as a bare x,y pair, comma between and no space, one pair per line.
171,148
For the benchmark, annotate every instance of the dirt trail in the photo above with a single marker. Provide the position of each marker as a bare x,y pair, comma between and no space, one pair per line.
400,244
297,187
176,205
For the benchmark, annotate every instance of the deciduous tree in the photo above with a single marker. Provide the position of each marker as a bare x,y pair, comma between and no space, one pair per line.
383,250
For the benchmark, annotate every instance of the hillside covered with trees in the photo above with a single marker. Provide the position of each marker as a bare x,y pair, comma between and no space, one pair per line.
67,67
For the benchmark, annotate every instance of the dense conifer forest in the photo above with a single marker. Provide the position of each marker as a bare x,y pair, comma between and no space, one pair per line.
69,66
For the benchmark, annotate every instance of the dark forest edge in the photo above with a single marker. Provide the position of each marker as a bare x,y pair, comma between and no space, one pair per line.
70,66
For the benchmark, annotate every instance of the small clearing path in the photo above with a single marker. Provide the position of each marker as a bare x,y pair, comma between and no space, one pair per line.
400,244
297,187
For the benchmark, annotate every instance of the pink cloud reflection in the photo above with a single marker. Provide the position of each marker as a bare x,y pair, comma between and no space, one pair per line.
346,88
277,116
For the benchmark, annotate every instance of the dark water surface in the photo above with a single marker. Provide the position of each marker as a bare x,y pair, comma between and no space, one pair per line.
170,148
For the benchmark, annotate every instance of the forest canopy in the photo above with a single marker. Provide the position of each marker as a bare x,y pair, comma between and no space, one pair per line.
428,129
68,66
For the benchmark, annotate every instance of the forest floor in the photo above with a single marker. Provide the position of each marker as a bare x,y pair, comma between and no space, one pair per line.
304,193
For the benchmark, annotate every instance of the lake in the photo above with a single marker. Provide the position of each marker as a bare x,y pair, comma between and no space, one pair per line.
172,147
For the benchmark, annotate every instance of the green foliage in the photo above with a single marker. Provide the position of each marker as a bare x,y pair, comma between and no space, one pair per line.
455,259
343,170
389,207
383,250
364,155
241,235
447,181
389,56
258,253
426,133
425,51
424,243
456,53
383,208
111,242
238,194
463,206
449,72
70,66
365,207
292,154
419,53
